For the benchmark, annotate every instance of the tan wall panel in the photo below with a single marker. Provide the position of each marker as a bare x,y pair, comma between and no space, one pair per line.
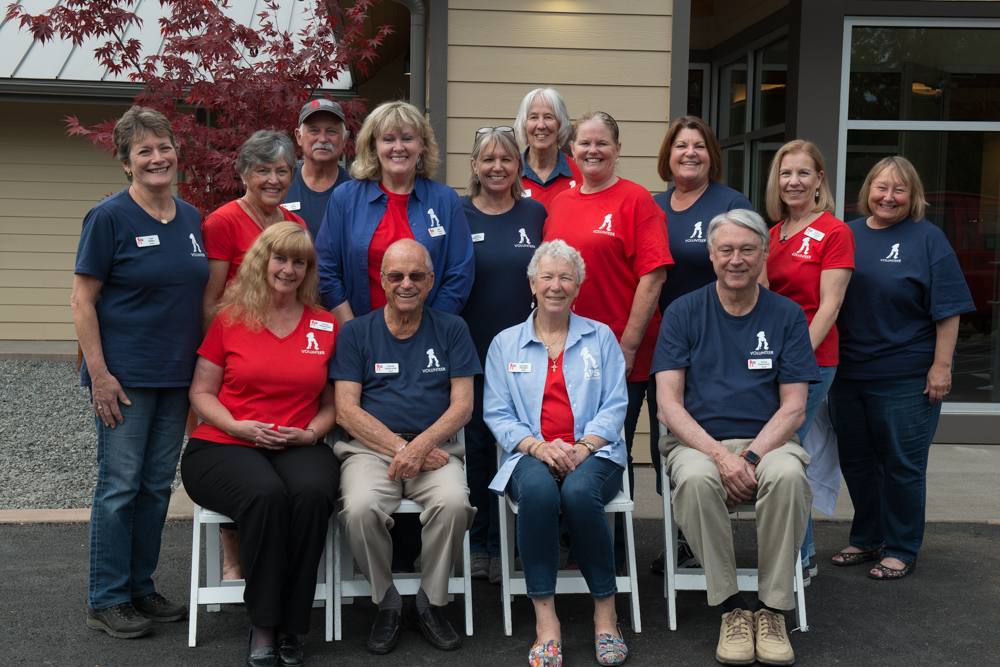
566,31
61,314
561,66
637,138
39,226
39,243
652,7
25,188
54,331
26,209
24,331
35,278
56,176
500,101
79,153
62,261
34,296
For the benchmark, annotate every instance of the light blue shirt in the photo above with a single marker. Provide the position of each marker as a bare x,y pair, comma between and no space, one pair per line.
594,369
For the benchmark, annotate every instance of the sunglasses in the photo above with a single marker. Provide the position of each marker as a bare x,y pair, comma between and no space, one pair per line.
416,277
499,128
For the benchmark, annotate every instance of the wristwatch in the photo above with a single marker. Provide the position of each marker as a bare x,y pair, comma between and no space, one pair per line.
587,444
750,457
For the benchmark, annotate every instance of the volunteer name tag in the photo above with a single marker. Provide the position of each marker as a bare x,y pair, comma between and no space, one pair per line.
476,238
386,368
321,325
436,231
518,368
812,233
292,206
146,241
759,364
527,193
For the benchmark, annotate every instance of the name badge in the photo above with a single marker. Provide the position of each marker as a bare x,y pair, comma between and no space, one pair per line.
146,241
291,205
812,233
321,325
527,193
518,368
436,231
476,238
386,368
759,364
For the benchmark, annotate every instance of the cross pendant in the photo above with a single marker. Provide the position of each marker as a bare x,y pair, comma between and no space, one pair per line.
554,367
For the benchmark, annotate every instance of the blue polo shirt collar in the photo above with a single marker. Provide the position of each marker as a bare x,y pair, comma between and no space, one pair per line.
562,169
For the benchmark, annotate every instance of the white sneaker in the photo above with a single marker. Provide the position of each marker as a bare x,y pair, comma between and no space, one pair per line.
736,639
773,647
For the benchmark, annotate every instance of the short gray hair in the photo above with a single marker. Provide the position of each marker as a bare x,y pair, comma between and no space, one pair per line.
427,256
265,147
743,218
558,106
558,249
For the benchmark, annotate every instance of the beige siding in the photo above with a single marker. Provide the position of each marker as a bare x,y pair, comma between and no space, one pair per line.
49,181
599,55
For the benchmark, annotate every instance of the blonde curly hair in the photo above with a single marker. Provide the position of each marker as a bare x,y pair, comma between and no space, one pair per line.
248,297
392,116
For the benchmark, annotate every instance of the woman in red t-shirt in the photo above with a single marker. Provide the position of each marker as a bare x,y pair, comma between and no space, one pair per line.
622,235
260,385
810,262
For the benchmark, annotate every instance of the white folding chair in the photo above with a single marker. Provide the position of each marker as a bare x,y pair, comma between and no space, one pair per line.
347,585
217,592
568,581
693,578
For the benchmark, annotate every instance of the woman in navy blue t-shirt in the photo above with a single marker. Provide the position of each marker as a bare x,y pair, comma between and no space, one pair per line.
898,327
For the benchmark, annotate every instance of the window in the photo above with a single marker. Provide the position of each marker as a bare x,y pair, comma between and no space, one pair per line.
930,91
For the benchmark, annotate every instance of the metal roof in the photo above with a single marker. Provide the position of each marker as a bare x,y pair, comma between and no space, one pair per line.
58,65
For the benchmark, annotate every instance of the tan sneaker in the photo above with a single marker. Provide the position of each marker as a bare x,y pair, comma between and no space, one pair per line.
773,647
736,639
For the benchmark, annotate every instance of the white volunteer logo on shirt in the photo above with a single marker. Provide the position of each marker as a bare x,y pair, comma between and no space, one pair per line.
435,222
194,244
590,369
433,365
524,241
312,345
605,227
696,234
803,250
893,255
762,347
572,184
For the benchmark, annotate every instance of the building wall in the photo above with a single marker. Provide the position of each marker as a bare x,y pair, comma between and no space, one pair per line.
613,57
50,181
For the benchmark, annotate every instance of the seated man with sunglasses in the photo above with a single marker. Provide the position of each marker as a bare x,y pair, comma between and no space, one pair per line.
403,377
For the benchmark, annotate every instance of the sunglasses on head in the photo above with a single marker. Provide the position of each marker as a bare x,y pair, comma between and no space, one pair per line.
499,128
396,277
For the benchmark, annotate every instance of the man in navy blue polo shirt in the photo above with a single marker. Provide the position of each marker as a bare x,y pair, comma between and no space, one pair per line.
404,387
733,362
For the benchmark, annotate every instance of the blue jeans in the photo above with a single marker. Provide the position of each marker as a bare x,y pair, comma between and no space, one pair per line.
480,469
817,392
884,432
136,463
581,498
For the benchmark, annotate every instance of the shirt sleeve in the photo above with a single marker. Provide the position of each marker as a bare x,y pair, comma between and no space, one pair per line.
673,349
797,361
839,250
609,419
462,356
95,253
652,247
739,202
949,293
499,411
460,270
347,363
213,346
217,233
329,260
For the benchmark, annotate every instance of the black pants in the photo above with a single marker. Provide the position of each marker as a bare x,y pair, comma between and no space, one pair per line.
281,502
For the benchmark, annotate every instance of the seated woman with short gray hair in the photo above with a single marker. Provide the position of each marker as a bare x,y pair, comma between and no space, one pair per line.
555,398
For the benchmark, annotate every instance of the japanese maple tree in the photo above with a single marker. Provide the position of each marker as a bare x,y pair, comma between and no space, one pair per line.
243,79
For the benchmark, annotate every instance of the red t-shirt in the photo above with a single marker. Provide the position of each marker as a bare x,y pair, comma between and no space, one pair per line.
557,413
266,378
393,226
622,235
544,194
229,232
794,267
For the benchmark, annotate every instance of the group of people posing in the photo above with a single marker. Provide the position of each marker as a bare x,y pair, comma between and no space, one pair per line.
380,308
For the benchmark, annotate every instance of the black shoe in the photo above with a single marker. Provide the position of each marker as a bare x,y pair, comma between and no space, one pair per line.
157,608
121,621
290,653
436,628
659,563
385,632
265,656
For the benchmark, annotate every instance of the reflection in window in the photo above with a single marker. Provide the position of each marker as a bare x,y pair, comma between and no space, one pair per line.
733,100
772,77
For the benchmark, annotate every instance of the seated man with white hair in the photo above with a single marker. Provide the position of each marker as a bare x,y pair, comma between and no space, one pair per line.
403,379
733,362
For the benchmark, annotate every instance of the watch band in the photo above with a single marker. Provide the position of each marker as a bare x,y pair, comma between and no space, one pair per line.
750,457
587,444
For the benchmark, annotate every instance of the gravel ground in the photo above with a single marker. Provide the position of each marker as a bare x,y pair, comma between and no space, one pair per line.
48,459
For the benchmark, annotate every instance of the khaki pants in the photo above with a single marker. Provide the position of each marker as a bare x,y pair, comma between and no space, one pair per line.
369,498
783,500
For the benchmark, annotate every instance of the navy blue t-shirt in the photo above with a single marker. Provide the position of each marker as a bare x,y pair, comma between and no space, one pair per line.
688,234
309,204
735,363
906,278
405,383
149,308
503,246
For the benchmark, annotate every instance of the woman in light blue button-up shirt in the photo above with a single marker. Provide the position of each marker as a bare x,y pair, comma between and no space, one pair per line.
555,398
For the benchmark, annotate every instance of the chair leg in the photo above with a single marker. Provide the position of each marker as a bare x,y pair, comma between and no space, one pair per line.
633,577
507,540
800,593
213,568
670,557
195,566
467,581
328,557
337,578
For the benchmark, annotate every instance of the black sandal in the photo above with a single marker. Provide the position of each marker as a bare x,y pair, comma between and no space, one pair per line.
889,573
858,557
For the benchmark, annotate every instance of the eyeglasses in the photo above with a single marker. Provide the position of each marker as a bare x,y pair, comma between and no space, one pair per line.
395,277
499,128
